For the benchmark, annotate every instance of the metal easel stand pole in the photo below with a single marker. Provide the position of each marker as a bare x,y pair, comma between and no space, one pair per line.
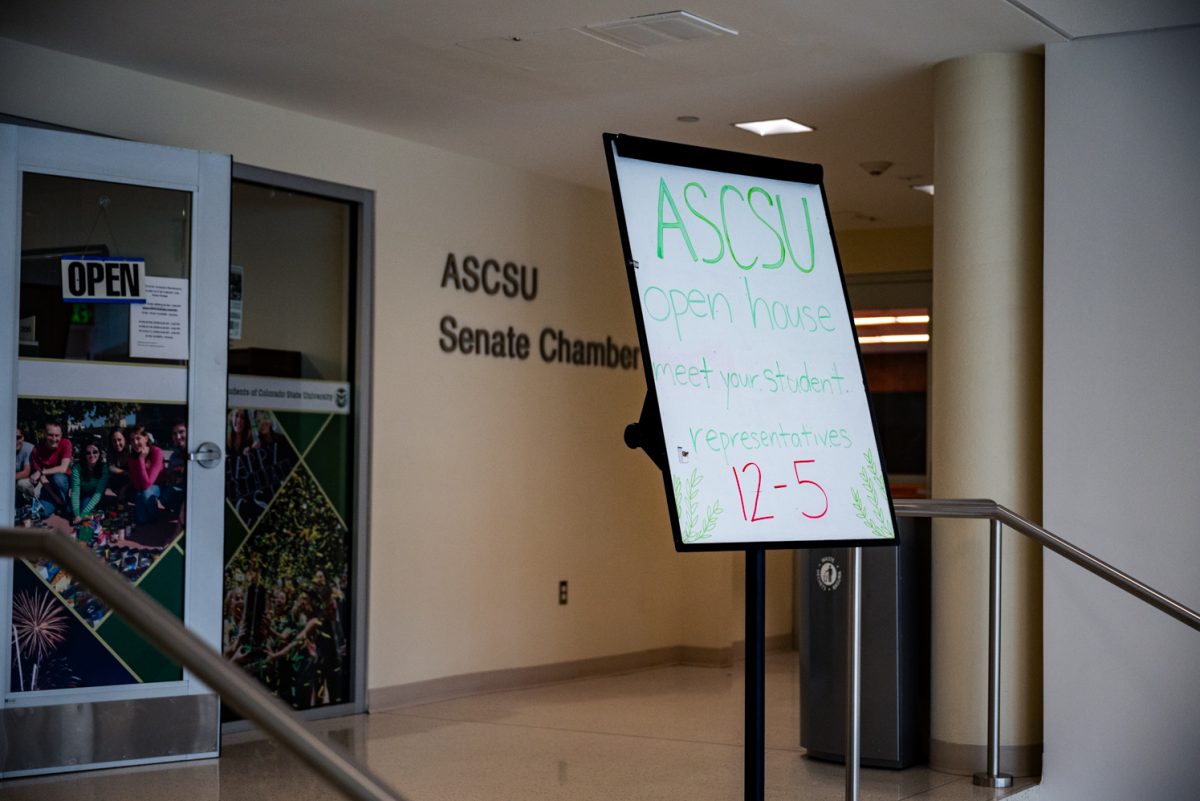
755,673
853,674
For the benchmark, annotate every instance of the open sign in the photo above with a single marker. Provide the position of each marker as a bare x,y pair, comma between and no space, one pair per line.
100,279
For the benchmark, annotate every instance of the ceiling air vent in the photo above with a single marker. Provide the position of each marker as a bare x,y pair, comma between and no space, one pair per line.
669,27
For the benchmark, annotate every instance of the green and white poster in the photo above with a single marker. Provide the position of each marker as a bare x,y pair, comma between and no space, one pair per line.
288,471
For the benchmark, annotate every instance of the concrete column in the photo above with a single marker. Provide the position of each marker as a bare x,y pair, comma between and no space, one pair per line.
986,399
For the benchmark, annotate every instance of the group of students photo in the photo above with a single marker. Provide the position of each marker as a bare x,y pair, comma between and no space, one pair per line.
96,471
78,472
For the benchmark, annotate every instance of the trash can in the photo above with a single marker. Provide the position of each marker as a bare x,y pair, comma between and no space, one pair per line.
894,731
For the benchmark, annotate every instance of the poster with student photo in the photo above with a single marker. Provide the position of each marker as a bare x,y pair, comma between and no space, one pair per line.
287,610
112,475
286,615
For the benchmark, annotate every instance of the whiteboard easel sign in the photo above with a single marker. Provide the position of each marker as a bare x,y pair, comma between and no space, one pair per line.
752,361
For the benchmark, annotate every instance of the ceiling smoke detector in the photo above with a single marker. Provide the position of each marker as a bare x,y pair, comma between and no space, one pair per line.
668,27
875,167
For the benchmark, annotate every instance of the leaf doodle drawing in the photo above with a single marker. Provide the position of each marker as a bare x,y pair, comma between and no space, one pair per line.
871,511
692,527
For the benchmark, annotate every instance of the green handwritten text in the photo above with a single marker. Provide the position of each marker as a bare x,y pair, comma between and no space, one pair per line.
758,231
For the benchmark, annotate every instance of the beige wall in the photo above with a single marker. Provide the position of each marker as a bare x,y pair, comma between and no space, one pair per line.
1121,375
886,250
492,479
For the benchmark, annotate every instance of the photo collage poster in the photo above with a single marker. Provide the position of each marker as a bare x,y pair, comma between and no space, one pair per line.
286,612
112,475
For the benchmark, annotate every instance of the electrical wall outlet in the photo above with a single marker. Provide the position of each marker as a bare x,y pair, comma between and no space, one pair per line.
562,593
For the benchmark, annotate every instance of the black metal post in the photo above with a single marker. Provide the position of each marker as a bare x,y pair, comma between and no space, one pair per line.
755,672
854,675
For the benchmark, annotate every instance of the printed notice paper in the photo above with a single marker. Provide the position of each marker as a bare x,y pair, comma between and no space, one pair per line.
158,329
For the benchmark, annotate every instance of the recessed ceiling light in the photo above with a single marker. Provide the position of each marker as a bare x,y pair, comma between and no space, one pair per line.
773,127
903,319
926,188
687,118
893,339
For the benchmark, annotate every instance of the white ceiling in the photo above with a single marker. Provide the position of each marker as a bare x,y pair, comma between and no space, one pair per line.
516,83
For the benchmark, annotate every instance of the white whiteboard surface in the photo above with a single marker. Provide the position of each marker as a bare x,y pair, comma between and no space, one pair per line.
751,351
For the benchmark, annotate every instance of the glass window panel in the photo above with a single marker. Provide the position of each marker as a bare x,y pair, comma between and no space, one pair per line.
99,466
294,254
63,216
290,467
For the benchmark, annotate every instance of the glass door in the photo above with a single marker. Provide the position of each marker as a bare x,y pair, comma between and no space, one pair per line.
114,259
294,465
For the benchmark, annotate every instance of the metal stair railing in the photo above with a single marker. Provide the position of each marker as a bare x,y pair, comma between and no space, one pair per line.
247,696
235,686
1001,516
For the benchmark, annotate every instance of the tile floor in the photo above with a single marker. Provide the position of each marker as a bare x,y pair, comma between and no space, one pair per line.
669,733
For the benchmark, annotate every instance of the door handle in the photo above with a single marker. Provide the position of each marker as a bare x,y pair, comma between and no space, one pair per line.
207,455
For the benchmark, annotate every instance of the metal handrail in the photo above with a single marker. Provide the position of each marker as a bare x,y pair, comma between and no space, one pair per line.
234,685
247,696
990,510
1001,516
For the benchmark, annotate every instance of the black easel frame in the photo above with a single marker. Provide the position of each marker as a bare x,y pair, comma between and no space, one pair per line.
647,434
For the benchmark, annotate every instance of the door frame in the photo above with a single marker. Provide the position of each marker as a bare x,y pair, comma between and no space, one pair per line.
206,176
363,297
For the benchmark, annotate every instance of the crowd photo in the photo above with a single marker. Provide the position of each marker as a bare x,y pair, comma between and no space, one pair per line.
285,610
110,474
